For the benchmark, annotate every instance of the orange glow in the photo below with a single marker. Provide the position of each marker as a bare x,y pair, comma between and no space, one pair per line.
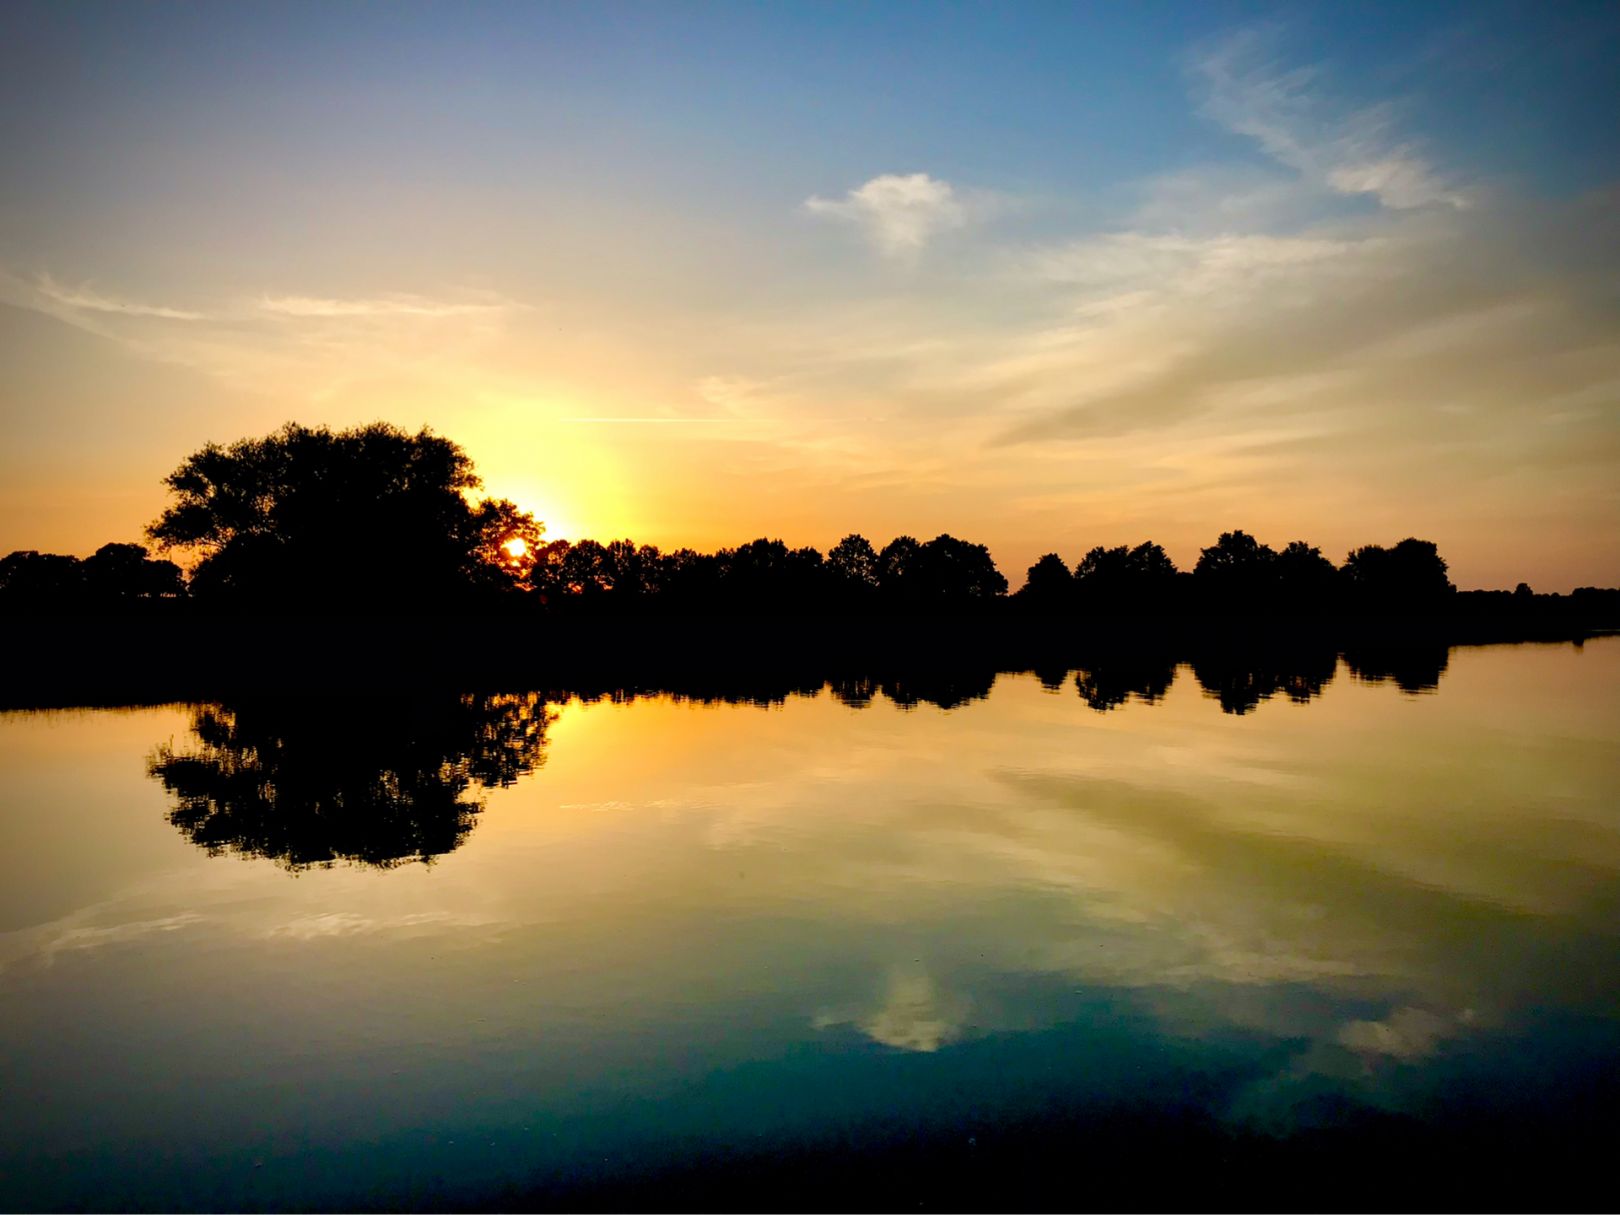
516,548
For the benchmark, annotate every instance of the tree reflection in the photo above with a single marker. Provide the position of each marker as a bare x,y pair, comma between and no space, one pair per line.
1240,681
944,689
370,781
1412,668
1108,684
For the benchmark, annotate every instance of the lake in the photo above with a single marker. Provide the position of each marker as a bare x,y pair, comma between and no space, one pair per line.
1156,930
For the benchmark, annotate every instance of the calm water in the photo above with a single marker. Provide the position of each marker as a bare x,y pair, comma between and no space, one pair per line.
655,930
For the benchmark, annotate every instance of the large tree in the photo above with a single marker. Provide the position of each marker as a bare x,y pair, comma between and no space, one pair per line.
1409,577
372,515
1124,579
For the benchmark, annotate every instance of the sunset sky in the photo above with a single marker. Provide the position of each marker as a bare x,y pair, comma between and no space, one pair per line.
1041,276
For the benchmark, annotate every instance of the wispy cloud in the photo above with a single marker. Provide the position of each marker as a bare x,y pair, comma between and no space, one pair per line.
900,213
87,299
1249,92
314,345
1195,265
383,307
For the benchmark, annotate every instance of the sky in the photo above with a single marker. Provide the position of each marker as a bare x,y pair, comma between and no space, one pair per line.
1040,276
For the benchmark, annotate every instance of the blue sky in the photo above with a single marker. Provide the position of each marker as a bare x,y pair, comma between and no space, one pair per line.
1044,275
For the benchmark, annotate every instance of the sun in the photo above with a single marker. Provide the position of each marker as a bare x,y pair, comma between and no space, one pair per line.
516,548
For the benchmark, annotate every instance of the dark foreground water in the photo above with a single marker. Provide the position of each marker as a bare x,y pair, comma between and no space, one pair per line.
1097,937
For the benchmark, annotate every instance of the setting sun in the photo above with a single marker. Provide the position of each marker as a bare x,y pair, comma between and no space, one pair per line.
516,548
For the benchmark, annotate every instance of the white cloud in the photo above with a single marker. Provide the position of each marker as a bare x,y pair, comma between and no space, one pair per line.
901,213
330,924
385,307
1248,92
1407,1033
915,1015
1194,265
84,299
316,346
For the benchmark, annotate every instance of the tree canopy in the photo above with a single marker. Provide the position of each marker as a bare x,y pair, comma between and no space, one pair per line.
373,515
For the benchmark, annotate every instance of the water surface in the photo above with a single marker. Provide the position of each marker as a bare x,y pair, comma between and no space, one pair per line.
351,951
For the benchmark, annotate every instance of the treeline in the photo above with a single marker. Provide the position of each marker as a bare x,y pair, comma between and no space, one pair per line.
115,575
1236,577
375,520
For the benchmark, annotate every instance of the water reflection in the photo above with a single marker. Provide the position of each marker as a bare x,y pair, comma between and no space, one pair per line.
1108,685
1114,914
1241,681
381,781
371,781
1411,668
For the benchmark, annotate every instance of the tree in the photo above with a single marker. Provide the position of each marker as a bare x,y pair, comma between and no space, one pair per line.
1125,579
588,570
945,571
767,573
897,566
1305,580
508,545
1237,572
1234,552
1048,584
125,571
372,516
1411,576
854,563
960,571
30,577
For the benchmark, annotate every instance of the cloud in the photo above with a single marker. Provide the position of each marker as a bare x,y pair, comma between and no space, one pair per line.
1407,1033
1248,92
914,1015
1196,265
383,307
331,924
1382,325
900,213
78,932
315,346
84,299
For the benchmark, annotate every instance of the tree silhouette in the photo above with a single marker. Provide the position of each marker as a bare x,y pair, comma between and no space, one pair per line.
114,574
43,579
897,568
1306,582
854,562
945,572
1125,579
1410,576
125,571
371,516
1048,585
372,781
1236,573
